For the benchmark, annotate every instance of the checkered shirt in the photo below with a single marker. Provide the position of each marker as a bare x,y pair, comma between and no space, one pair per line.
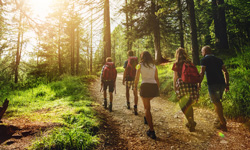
187,89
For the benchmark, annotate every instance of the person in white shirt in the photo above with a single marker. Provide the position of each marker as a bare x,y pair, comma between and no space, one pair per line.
149,87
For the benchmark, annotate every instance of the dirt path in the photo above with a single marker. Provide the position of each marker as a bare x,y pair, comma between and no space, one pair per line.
121,129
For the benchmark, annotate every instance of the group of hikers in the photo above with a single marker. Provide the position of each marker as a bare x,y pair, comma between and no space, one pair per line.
186,82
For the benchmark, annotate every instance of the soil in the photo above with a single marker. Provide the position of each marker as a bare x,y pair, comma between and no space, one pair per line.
19,133
121,129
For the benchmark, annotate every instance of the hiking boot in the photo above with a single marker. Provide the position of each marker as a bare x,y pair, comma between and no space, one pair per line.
191,126
128,105
135,110
110,107
221,127
145,120
105,103
151,134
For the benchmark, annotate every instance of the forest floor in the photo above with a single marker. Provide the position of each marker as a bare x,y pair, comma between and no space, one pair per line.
121,129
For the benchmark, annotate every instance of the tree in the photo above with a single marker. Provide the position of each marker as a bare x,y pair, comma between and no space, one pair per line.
220,25
195,50
180,23
107,36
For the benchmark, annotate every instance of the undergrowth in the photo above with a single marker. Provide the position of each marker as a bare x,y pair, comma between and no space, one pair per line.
66,102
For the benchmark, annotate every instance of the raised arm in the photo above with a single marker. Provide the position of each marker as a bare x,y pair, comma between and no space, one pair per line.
174,79
202,73
137,76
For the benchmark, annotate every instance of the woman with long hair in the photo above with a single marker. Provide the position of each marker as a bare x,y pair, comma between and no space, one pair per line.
149,87
187,93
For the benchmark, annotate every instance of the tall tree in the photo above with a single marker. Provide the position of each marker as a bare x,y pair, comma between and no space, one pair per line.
220,24
19,38
195,47
180,22
156,31
107,36
91,43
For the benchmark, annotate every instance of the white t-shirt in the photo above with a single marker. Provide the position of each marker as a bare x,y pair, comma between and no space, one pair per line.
148,73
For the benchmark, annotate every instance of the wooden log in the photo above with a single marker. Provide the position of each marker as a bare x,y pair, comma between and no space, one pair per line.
4,108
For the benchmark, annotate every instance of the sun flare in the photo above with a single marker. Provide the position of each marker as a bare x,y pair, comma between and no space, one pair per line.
40,8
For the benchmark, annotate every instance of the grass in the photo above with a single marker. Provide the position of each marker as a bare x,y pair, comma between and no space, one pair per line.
66,102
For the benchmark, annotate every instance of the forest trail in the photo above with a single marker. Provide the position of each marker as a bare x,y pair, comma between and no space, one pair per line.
121,129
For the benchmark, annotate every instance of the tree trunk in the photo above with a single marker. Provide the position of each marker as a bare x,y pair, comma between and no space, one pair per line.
18,47
195,47
220,25
59,49
91,45
72,49
156,32
107,36
4,108
181,23
77,51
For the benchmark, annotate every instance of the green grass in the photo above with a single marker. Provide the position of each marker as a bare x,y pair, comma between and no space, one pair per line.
66,102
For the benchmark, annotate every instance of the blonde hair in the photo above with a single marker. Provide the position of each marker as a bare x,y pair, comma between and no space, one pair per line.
108,59
181,57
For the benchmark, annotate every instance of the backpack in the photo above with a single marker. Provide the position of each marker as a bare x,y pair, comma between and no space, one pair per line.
131,67
109,72
190,73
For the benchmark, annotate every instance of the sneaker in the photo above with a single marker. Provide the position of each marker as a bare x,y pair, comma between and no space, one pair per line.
151,134
128,105
105,103
221,127
110,107
135,109
145,120
191,127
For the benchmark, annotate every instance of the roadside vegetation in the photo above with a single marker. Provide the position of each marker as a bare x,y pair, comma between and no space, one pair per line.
66,103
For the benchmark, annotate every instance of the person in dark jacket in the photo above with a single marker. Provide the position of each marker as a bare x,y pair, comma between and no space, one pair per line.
217,81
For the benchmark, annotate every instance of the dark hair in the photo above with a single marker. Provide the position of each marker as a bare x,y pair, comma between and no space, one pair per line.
181,57
130,53
146,59
108,59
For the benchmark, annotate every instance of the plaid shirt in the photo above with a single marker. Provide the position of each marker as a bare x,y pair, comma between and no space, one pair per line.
187,89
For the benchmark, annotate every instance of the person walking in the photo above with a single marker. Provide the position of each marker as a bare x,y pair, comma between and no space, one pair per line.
149,87
187,93
129,77
108,78
216,81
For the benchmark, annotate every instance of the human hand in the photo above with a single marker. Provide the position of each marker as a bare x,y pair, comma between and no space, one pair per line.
123,82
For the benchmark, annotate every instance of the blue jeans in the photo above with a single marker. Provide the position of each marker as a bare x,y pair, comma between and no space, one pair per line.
216,92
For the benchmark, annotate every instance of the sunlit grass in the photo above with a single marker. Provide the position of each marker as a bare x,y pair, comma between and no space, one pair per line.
65,102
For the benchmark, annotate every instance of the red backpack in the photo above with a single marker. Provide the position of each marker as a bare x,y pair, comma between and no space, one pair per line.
109,72
131,67
190,73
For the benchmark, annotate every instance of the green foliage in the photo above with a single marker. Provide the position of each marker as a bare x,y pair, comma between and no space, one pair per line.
65,138
120,69
165,75
237,99
66,102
